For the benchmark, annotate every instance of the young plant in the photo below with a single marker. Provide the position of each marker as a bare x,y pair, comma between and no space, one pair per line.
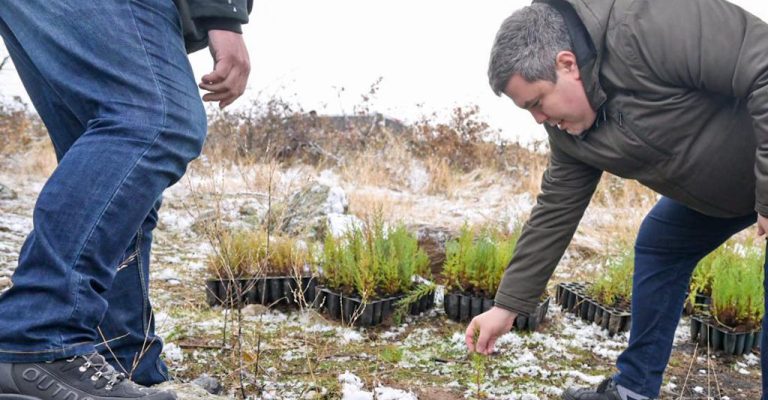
248,253
703,275
737,289
615,285
476,263
287,257
373,260
237,254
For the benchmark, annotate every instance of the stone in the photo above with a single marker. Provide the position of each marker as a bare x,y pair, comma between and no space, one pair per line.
6,193
253,310
432,240
204,222
188,391
307,211
210,384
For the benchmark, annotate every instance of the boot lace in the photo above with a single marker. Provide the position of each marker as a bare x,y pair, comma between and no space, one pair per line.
103,369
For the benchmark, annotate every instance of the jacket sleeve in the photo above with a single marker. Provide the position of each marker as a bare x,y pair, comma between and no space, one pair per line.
712,46
566,190
200,16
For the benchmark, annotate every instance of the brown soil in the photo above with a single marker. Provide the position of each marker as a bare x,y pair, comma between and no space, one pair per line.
726,376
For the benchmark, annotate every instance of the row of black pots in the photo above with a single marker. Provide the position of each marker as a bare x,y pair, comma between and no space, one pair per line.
701,302
373,312
707,332
462,307
272,290
572,297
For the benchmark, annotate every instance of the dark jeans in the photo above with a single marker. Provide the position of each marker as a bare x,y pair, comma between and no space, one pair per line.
112,83
672,240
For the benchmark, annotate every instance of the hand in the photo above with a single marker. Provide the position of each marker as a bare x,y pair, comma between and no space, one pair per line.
762,225
231,67
490,325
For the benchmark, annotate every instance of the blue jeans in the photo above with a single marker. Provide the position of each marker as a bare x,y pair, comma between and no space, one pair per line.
671,241
113,85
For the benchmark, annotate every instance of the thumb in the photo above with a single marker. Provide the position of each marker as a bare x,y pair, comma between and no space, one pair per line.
469,336
219,73
760,230
482,342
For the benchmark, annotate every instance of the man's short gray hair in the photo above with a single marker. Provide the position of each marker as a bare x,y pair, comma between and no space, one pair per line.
527,44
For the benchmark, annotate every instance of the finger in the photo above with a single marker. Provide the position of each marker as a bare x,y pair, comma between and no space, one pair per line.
760,230
231,85
213,87
217,96
469,336
219,74
482,342
226,103
491,346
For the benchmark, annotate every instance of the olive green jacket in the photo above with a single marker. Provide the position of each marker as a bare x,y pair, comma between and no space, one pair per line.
199,16
681,89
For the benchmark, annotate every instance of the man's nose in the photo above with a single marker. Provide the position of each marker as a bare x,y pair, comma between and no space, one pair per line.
539,116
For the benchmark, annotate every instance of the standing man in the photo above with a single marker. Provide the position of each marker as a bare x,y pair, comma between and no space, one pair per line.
113,85
673,94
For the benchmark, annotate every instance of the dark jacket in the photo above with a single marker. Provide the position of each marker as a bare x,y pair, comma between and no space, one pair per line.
200,16
681,89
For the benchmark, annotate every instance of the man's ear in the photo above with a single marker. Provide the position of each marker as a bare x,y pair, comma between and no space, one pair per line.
565,62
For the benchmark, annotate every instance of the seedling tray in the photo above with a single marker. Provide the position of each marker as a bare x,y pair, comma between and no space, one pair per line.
345,308
273,290
572,297
700,302
462,307
707,332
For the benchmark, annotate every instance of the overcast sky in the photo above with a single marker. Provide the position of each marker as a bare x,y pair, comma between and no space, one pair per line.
432,55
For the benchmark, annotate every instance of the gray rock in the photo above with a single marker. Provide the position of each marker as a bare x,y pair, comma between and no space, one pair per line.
253,310
210,384
432,240
188,391
307,211
6,193
204,222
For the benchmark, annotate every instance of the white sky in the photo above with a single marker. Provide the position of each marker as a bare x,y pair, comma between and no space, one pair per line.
432,56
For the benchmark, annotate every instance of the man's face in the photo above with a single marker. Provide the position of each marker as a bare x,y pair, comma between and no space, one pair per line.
563,103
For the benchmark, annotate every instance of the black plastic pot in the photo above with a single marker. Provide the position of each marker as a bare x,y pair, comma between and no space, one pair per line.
700,302
572,297
708,332
371,313
462,307
273,290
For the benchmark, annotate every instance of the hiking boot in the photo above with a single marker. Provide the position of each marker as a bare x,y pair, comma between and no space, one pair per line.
87,377
606,390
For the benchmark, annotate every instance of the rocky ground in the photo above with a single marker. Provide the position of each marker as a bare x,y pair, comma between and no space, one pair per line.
283,354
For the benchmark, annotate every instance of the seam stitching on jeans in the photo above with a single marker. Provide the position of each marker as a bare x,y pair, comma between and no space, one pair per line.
44,351
143,154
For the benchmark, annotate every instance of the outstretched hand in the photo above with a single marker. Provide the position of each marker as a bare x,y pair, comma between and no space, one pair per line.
488,326
231,67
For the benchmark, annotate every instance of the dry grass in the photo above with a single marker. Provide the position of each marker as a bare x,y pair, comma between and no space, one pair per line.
38,159
441,177
368,200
